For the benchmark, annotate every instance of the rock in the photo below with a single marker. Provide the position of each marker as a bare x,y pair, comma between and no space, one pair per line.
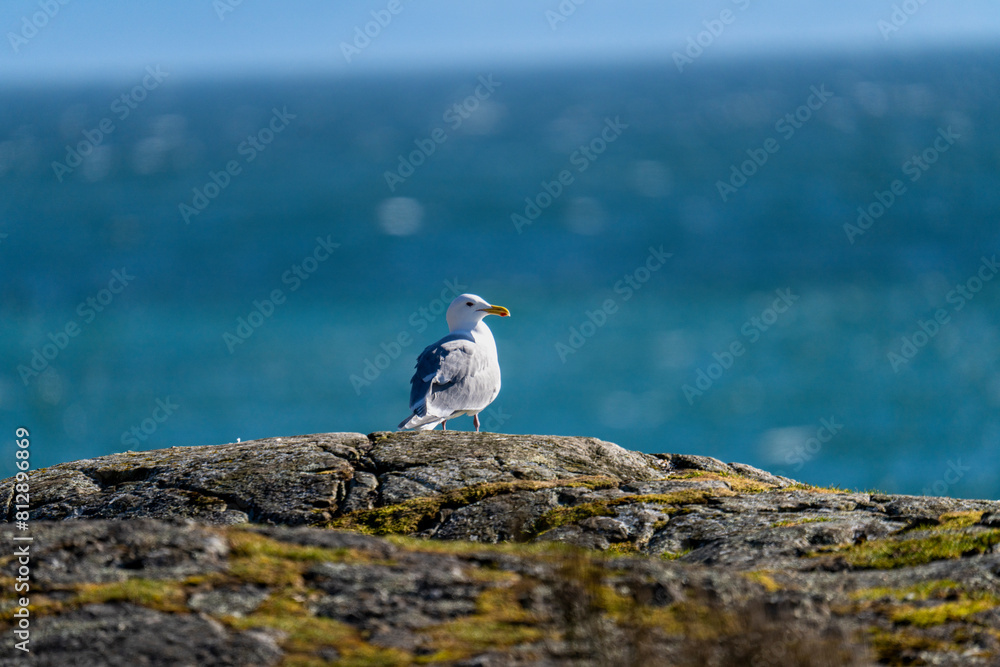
277,480
414,464
275,550
228,602
109,551
128,635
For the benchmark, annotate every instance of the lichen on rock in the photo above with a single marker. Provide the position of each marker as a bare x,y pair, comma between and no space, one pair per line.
480,548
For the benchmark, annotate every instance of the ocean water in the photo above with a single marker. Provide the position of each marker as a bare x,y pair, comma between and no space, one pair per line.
233,259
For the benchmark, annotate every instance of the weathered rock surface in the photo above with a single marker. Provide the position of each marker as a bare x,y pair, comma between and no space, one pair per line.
278,480
544,550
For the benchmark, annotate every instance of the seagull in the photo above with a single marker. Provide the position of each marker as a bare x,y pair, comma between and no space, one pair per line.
459,374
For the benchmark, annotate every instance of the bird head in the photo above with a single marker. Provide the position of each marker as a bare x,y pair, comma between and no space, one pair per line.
468,310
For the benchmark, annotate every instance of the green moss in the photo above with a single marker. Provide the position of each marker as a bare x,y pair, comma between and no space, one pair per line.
169,596
404,518
924,590
561,516
882,554
799,522
531,550
500,621
960,519
162,595
737,483
258,559
249,544
7,591
902,647
266,571
799,486
925,617
764,578
954,602
743,484
954,536
413,515
747,485
306,634
623,549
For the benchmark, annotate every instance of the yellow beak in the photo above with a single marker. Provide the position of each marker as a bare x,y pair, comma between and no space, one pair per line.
496,310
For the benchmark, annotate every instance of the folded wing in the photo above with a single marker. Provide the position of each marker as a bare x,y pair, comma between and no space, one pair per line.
453,375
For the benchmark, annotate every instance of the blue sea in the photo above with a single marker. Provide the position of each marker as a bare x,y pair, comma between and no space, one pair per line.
787,262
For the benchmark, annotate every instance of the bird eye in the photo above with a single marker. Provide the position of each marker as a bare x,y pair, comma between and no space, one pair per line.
469,303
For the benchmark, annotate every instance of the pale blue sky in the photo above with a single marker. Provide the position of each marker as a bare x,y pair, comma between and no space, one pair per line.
261,36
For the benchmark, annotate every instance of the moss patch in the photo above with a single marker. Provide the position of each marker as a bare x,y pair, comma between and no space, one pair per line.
799,486
500,621
250,544
928,603
799,522
764,578
925,590
946,612
954,536
623,549
261,560
903,647
562,516
889,553
531,550
167,596
960,519
307,635
414,515
737,483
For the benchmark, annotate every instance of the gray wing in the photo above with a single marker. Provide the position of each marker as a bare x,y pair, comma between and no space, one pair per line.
453,374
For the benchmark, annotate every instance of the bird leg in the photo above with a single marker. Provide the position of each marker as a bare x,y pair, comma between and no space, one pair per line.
475,420
444,425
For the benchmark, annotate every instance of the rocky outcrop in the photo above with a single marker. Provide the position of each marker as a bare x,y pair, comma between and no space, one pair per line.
466,548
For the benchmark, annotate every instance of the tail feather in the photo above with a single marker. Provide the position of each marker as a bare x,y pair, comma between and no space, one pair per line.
423,422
